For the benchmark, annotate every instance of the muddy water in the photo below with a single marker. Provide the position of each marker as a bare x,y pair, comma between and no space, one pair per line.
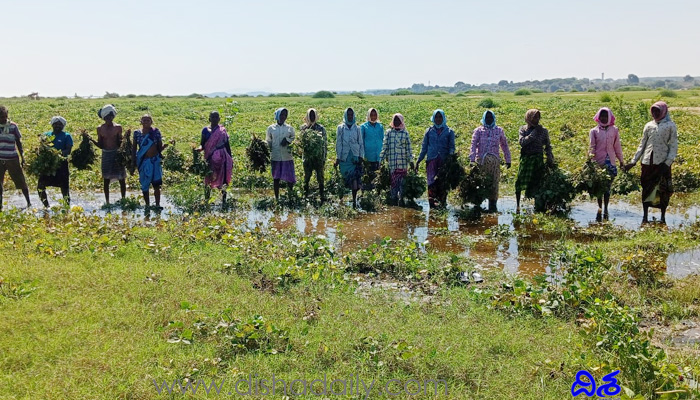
434,232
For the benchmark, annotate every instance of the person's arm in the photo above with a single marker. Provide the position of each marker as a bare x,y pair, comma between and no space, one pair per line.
642,146
672,146
18,142
325,144
407,140
451,142
618,148
362,145
120,137
591,143
382,154
423,148
268,138
475,145
100,140
525,139
291,135
505,148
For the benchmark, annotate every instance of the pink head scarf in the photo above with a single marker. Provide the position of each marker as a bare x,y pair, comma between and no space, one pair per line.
400,127
611,118
663,107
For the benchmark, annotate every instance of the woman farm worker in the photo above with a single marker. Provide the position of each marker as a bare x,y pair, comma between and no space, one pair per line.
350,152
372,137
279,136
534,142
657,150
63,142
485,150
438,143
605,149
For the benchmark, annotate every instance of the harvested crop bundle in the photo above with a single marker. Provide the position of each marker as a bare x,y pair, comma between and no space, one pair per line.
555,191
258,154
198,166
125,156
474,187
592,178
625,183
413,186
382,182
84,156
173,159
44,159
451,174
312,147
336,185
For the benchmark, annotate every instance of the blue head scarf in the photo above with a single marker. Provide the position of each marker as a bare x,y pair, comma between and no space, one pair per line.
483,119
444,119
345,117
278,112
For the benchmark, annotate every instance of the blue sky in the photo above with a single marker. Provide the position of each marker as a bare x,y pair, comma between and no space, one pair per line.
181,47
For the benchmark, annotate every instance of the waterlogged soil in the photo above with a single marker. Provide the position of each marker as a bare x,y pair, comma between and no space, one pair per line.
433,231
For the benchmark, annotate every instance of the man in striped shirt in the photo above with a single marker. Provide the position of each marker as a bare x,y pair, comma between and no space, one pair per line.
10,146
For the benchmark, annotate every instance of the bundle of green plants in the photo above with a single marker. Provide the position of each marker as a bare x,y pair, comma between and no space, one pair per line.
474,187
174,160
44,159
336,185
382,182
198,166
312,147
451,173
369,201
555,192
413,186
125,155
258,154
591,178
625,183
84,156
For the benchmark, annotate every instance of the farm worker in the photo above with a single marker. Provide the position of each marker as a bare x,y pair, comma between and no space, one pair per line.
396,152
147,149
109,138
605,149
350,153
486,140
657,150
63,142
312,127
217,152
534,142
438,143
10,153
279,136
372,137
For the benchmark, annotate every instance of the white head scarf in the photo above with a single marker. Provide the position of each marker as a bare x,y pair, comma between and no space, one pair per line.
106,110
60,119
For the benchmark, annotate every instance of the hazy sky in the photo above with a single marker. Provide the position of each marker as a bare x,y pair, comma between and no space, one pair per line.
180,47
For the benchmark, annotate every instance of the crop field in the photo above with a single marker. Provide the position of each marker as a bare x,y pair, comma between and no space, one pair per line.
118,303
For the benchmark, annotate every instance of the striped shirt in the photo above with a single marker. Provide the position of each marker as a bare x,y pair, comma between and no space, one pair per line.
9,135
396,149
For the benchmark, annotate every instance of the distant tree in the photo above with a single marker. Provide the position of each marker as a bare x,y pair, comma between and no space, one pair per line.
503,82
688,78
460,83
659,84
109,95
632,79
323,94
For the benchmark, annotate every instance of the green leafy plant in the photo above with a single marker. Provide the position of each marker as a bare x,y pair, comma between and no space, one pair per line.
84,156
258,154
174,160
44,159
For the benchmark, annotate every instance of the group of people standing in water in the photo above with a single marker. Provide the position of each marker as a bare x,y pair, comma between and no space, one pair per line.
368,145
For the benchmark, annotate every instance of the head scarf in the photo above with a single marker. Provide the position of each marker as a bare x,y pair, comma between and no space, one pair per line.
307,118
58,119
278,112
106,110
611,118
663,107
370,112
401,126
483,119
444,119
530,116
345,117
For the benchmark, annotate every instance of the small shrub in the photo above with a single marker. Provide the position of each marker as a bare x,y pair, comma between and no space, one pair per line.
323,94
523,92
668,93
605,98
488,103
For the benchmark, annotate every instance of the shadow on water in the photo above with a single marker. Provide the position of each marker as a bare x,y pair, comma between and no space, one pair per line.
434,231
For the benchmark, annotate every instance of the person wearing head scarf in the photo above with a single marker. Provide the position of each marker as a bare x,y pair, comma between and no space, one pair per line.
109,138
606,149
147,151
279,136
486,140
217,152
63,142
396,152
438,143
657,150
315,134
372,137
534,142
350,152
11,151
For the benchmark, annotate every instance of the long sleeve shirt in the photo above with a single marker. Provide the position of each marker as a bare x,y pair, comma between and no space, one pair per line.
274,136
437,145
396,149
349,140
372,137
660,138
605,143
535,141
486,141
